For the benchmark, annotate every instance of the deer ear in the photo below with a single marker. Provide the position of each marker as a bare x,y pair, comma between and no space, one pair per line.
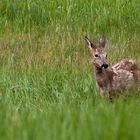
89,43
102,41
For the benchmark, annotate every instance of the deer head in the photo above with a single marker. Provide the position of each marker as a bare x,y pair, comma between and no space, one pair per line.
98,53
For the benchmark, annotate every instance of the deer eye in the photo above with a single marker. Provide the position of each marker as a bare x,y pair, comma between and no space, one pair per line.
96,55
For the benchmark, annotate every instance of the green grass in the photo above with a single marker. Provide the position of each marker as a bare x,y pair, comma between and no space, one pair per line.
47,88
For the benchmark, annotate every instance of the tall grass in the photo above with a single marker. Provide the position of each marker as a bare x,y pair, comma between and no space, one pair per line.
47,89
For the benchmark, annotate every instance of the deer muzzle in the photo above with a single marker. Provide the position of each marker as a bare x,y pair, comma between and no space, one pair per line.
105,66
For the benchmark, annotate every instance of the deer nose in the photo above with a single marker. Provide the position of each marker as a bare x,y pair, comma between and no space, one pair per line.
105,66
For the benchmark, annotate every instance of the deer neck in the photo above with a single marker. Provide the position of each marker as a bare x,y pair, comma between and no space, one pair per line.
102,78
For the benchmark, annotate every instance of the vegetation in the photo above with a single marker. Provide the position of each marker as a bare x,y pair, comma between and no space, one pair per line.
47,89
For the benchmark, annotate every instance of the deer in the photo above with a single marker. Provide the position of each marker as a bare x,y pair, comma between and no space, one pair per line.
118,79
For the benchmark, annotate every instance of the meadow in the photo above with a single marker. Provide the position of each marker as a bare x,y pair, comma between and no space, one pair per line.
47,88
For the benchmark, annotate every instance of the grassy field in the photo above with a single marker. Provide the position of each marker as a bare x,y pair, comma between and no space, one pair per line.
47,88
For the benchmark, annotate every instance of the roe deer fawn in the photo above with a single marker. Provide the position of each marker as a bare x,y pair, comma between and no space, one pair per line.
123,76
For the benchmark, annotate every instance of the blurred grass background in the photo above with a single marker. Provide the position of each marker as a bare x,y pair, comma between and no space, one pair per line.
47,89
